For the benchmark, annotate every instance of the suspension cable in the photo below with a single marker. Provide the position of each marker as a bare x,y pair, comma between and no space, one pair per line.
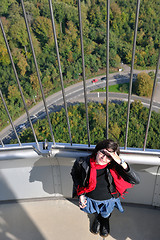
37,70
60,70
9,116
131,73
83,67
18,82
151,103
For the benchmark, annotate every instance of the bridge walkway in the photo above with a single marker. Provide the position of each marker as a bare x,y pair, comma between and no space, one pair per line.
61,219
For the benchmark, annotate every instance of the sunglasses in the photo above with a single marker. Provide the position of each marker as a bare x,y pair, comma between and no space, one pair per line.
106,154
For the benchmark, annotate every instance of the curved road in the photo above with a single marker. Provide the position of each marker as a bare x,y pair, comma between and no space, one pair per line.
75,93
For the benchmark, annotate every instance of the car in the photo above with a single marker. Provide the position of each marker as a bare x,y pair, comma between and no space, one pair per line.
94,80
103,78
22,126
32,117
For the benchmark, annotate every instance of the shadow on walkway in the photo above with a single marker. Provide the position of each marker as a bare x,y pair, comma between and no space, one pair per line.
15,222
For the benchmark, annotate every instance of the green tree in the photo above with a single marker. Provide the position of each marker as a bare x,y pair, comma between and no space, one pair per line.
143,85
42,27
117,125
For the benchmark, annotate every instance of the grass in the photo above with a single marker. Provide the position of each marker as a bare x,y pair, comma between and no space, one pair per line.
121,88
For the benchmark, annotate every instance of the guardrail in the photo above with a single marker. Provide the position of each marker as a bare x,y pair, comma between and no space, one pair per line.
26,173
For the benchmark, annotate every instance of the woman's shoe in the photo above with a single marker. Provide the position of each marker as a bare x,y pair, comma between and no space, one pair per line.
104,227
96,225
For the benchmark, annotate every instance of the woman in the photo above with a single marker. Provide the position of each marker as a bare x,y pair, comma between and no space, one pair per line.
99,180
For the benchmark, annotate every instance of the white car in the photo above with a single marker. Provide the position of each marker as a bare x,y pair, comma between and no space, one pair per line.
32,117
22,126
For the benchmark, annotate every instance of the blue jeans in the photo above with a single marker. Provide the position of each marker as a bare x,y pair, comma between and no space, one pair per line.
104,207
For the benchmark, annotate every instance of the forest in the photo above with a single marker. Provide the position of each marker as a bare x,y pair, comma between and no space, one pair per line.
122,17
97,124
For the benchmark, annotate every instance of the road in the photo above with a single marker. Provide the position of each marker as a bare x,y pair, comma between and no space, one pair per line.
75,93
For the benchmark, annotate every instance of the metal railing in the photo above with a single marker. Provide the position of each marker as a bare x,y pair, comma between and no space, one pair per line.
84,77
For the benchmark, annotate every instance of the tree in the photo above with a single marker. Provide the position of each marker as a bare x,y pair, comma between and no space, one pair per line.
115,130
143,85
114,59
42,27
35,83
17,31
3,114
4,56
21,61
117,125
4,6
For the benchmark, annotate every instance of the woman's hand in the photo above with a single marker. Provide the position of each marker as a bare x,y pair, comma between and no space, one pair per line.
82,201
117,159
